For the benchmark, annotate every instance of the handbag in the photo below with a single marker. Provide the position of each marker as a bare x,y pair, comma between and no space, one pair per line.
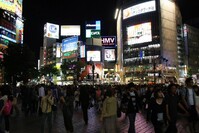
54,107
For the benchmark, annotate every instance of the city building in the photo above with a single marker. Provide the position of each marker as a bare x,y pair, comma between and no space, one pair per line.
149,33
191,41
11,26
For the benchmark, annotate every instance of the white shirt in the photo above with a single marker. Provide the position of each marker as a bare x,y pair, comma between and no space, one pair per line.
190,96
41,91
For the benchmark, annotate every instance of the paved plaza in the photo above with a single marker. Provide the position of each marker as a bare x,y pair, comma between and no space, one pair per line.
31,123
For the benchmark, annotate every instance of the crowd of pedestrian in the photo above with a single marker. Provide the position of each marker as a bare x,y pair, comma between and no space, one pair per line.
161,105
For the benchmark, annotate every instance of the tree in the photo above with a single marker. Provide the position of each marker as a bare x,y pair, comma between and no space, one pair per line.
70,68
18,64
49,71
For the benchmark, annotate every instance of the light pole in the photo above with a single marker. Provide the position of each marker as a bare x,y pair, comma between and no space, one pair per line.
93,69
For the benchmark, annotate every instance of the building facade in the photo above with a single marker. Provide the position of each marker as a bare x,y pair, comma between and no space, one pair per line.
148,38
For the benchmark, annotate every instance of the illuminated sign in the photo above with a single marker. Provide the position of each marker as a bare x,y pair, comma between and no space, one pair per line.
18,9
95,33
91,26
10,39
93,55
19,30
58,50
8,5
109,54
14,6
139,9
139,33
70,30
51,31
108,40
82,51
69,47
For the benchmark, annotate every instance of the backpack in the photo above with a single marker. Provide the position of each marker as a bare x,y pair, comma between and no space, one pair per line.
7,108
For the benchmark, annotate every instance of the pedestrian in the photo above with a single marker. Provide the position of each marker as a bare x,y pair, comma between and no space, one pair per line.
77,98
196,90
46,106
190,104
3,100
7,112
41,92
172,104
157,111
133,106
84,100
67,109
109,113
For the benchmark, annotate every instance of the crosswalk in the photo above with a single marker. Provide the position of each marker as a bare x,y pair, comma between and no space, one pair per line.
141,125
31,124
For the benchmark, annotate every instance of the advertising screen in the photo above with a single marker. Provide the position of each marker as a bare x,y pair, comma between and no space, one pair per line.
69,47
69,44
14,6
139,33
139,9
51,30
109,54
70,30
94,55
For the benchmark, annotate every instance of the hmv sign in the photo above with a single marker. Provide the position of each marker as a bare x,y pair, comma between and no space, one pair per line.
108,41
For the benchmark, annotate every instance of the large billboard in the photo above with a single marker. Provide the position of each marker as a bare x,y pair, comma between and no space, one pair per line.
109,55
14,6
138,9
51,30
69,47
92,27
139,33
70,30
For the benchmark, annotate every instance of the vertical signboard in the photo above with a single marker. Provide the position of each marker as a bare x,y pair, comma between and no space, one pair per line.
93,27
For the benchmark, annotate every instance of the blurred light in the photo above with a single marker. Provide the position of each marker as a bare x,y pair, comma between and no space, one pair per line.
116,13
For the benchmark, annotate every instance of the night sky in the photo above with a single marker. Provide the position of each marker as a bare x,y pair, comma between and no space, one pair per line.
64,12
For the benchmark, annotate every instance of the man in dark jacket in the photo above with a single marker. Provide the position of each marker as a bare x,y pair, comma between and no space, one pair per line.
133,107
84,100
